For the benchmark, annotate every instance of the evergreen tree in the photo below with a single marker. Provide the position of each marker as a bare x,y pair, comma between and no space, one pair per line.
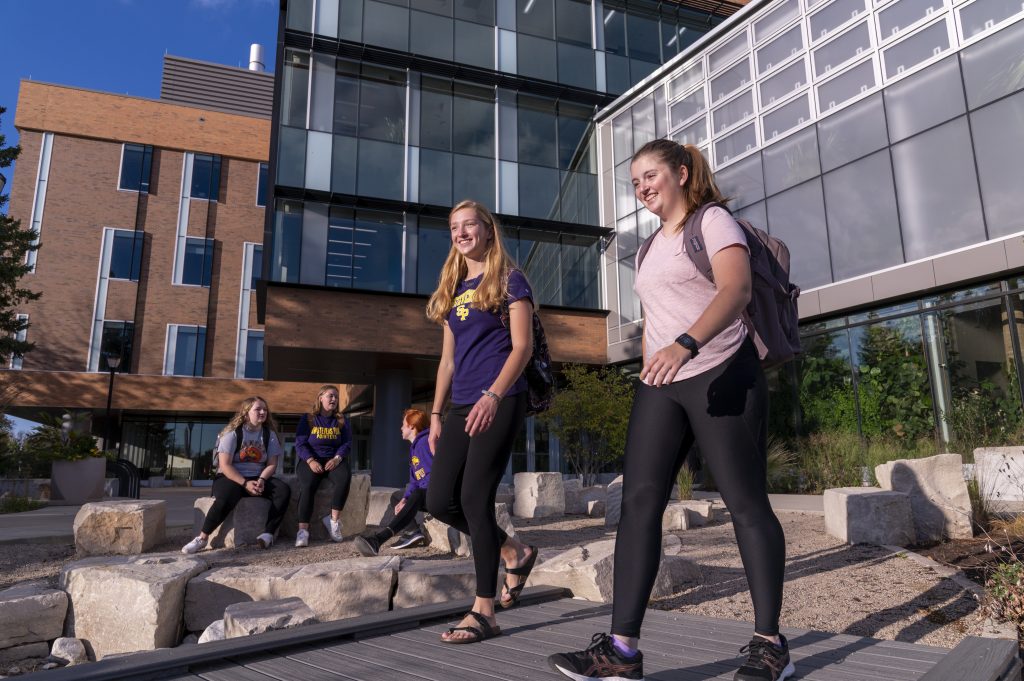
15,244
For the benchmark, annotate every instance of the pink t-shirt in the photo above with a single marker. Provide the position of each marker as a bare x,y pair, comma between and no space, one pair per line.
674,293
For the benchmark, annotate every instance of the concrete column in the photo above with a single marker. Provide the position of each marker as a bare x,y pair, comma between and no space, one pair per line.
389,453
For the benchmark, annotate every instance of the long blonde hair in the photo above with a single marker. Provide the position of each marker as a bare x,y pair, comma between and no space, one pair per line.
316,405
243,412
493,287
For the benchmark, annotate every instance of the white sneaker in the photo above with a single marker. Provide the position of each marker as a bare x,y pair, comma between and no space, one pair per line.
333,528
302,538
265,540
194,546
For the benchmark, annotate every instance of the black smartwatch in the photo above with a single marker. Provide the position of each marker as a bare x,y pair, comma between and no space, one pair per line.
688,342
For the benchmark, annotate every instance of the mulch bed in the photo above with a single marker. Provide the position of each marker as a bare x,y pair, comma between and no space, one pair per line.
975,557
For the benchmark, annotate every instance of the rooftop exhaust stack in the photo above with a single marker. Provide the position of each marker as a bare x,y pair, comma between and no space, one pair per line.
256,58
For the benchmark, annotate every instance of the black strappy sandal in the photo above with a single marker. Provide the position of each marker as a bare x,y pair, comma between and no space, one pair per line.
521,571
481,633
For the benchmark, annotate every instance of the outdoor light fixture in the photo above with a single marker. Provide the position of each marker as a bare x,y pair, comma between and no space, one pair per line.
113,362
3,181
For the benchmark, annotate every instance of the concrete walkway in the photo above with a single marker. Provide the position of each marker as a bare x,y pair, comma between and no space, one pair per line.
54,524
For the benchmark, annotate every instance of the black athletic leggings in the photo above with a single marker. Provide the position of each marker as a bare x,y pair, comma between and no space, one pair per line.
725,410
340,475
227,493
464,481
414,503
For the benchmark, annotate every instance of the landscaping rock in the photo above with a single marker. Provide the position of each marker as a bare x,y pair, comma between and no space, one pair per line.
446,538
353,516
379,510
578,498
699,512
1000,475
23,652
869,515
121,527
595,509
676,517
939,502
333,590
247,619
613,503
30,613
214,632
421,582
539,495
506,495
246,521
190,640
70,650
124,604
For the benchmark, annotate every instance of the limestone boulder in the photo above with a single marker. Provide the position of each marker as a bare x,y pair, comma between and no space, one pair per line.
676,517
595,509
379,509
869,515
120,527
589,571
246,521
25,651
506,495
70,650
447,539
421,582
999,472
31,612
214,632
939,502
256,617
333,590
124,604
539,495
699,512
613,503
353,515
578,498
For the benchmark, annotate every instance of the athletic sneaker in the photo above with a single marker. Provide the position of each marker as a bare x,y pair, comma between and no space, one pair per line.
194,546
368,546
601,660
410,539
333,528
301,538
265,540
766,661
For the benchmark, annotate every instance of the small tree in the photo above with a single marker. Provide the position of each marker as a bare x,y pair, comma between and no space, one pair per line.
15,244
589,417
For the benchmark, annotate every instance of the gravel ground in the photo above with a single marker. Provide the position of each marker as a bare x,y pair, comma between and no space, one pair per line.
831,587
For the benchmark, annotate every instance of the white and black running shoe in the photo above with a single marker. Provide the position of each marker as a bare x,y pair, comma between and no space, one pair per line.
765,661
410,539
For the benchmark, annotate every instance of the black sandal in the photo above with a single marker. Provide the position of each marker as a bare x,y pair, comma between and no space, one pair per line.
481,633
522,571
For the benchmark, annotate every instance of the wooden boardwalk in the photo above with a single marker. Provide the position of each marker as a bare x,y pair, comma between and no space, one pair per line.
677,647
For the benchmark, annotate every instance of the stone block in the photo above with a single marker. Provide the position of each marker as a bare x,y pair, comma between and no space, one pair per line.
613,503
939,502
577,499
379,509
124,604
421,582
506,495
246,521
353,515
1000,475
120,527
869,515
30,613
699,512
256,617
333,590
70,650
23,652
539,495
595,509
214,632
447,539
676,517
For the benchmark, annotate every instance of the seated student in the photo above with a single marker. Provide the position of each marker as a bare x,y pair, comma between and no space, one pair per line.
248,452
415,429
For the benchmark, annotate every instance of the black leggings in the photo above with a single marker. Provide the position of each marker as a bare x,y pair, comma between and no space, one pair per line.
340,476
725,410
464,481
414,503
227,493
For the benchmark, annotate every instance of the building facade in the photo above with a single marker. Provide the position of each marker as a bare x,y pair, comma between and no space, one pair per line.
150,219
881,141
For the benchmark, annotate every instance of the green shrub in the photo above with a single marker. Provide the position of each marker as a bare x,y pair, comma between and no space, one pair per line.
13,504
1005,592
685,481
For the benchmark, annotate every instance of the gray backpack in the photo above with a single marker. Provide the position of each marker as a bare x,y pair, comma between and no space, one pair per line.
771,316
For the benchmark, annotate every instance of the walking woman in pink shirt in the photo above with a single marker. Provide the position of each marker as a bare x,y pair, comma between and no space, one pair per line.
701,382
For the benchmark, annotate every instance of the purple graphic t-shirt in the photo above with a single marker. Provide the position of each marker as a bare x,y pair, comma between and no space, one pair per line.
482,343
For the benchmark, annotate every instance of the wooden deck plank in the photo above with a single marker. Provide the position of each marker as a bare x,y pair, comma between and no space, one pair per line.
286,668
356,667
230,671
406,664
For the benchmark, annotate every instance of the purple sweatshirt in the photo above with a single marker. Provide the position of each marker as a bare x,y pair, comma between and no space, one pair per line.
323,439
420,460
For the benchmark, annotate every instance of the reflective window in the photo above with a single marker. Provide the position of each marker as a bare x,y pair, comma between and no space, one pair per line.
915,49
435,177
797,216
992,67
572,22
205,177
535,57
538,192
849,45
736,144
743,182
644,37
386,25
382,105
780,49
539,257
257,266
433,242
300,15
537,128
998,131
197,268
980,16
846,86
626,242
688,107
291,157
786,117
474,44
350,20
730,80
576,66
789,79
473,177
343,169
851,133
580,265
536,17
776,19
791,161
615,31
116,338
898,16
827,398
442,7
578,198
287,241
479,11
834,14
295,88
186,350
734,111
126,254
474,110
361,249
346,99
136,167
574,136
925,99
431,35
616,74
435,113
253,354
644,129
261,185
629,301
380,169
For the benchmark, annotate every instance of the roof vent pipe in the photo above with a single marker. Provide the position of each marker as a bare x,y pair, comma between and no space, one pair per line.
256,58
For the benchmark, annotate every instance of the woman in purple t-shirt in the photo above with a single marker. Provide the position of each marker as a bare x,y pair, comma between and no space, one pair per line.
482,363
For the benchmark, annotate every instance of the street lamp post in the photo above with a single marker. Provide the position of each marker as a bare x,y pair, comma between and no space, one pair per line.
113,362
3,181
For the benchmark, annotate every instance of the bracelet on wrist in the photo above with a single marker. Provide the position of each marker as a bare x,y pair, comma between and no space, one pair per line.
493,395
436,413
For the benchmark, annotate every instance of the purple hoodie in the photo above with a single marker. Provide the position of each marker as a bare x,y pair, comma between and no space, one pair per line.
420,460
323,439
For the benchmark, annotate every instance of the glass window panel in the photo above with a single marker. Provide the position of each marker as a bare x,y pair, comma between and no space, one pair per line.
381,167
902,14
615,31
343,170
318,161
789,79
473,178
731,113
797,216
377,238
473,108
729,52
791,161
629,301
780,49
616,74
939,205
136,167
834,15
638,70
254,354
660,113
118,338
743,182
786,12
925,99
625,198
786,117
300,15
321,115
538,192
433,35
578,198
979,16
863,224
295,88
205,177
573,136
442,7
643,36
479,11
923,45
849,45
687,79
287,242
846,86
626,241
643,122
696,133
539,259
435,177
998,131
433,241
261,185
851,133
341,225
257,266
385,25
474,44
576,66
189,350
736,144
646,223
992,67
572,22
756,214
580,267
688,107
350,20
730,80
827,398
126,255
436,114
535,57
382,107
537,128
197,268
536,17
622,136
346,101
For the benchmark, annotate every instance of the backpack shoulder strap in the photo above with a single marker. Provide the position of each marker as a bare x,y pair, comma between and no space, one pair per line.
693,239
644,247
266,438
238,439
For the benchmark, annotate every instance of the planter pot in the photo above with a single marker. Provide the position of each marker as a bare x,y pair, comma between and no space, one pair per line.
76,482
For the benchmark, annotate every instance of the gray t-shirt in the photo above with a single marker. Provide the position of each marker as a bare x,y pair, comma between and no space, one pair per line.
251,458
